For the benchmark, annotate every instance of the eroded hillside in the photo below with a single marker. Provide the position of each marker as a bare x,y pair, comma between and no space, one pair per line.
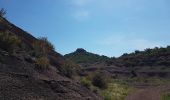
26,74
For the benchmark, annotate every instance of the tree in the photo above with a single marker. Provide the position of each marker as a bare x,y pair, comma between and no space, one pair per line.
2,12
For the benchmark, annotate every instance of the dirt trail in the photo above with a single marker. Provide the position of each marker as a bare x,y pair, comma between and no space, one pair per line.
148,93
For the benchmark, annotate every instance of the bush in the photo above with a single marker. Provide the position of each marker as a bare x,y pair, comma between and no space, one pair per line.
96,90
67,70
42,47
49,45
2,12
85,82
9,42
42,63
107,97
99,81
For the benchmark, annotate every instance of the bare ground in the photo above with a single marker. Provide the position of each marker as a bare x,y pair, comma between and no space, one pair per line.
148,93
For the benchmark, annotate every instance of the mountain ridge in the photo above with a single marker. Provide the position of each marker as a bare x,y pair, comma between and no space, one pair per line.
150,62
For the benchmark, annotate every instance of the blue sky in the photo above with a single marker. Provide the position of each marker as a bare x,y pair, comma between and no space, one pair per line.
105,27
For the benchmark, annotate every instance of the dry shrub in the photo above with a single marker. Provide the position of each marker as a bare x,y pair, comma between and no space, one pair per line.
42,63
42,47
9,41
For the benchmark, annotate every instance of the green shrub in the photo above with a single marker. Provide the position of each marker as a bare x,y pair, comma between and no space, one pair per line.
99,81
9,42
42,63
107,97
85,82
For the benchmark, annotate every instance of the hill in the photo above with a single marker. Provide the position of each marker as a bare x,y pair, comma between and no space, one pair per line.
149,63
81,56
149,57
30,69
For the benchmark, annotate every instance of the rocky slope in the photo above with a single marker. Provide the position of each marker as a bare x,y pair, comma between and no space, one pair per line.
20,79
149,63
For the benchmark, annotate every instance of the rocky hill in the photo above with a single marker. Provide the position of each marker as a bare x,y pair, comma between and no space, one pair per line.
31,71
149,63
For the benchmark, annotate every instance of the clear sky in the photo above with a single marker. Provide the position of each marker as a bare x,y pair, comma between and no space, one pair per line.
106,27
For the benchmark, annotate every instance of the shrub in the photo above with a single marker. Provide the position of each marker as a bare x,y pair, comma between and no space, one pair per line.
49,45
107,97
9,42
42,63
42,47
100,81
67,70
133,73
85,82
2,12
95,90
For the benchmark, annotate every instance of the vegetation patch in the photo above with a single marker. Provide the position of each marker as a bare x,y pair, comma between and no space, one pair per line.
41,49
67,70
42,63
85,82
148,57
116,91
9,41
166,96
109,90
100,81
82,56
142,80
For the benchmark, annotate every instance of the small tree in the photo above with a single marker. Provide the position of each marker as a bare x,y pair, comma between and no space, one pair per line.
2,12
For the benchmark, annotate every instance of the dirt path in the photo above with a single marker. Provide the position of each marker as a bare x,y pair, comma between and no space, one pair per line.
148,93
